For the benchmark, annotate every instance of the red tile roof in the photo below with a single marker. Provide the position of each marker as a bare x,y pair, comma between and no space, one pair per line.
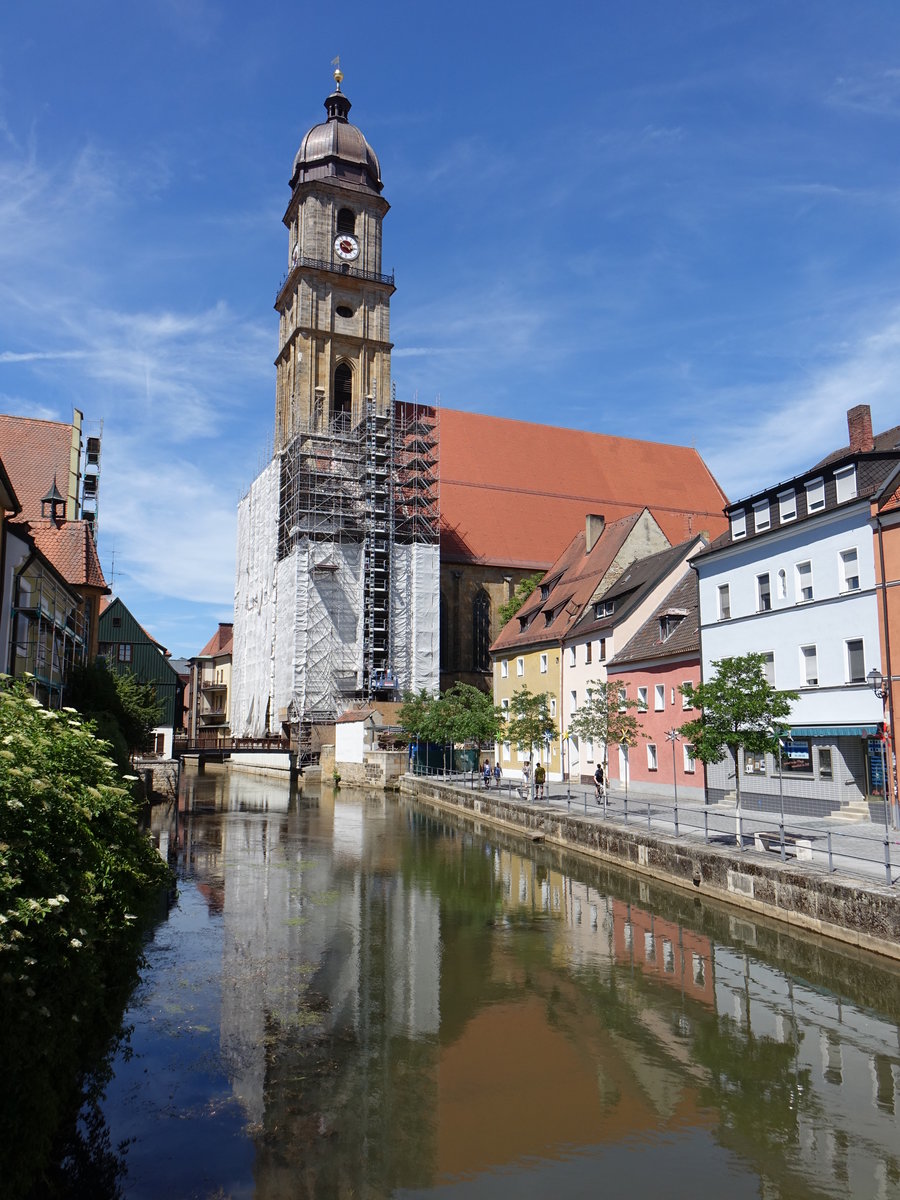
512,492
70,549
33,452
220,642
573,578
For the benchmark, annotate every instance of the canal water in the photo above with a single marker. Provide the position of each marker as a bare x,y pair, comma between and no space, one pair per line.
352,997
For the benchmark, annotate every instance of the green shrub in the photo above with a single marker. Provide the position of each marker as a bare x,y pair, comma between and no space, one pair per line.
77,879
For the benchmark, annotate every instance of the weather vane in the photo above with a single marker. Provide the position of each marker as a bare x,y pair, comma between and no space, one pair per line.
338,73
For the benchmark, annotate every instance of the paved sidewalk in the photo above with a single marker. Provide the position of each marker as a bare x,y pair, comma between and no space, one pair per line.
863,849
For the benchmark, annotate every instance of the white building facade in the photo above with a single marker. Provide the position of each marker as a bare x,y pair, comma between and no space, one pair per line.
794,580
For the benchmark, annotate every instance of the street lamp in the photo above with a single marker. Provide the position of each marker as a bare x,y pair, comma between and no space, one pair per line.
674,736
876,679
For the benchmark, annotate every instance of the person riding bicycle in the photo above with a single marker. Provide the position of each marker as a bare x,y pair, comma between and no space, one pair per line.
599,782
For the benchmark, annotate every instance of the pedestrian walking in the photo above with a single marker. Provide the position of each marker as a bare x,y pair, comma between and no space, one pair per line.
497,774
539,776
486,773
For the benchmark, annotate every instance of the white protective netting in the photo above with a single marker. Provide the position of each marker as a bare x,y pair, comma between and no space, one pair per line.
415,605
255,605
319,632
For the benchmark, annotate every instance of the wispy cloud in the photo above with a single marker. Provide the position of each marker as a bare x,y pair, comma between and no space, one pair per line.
877,94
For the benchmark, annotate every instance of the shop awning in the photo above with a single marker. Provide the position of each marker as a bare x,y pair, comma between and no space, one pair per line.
834,731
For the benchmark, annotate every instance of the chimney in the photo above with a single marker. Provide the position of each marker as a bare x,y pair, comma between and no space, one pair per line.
594,525
859,424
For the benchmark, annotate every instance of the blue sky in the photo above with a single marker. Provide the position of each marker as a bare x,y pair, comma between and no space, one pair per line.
675,220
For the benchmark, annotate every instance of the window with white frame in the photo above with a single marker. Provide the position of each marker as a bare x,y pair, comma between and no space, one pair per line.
845,484
659,697
809,666
762,518
589,751
856,660
787,506
738,524
690,765
543,664
686,699
724,594
504,668
506,751
642,699
652,763
804,582
768,667
763,593
504,705
849,570
815,494
552,706
623,696
520,666
571,656
573,700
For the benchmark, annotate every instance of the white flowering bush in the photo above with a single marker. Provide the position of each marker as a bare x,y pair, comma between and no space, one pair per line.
76,874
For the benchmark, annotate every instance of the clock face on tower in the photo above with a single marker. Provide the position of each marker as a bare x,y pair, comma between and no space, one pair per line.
346,247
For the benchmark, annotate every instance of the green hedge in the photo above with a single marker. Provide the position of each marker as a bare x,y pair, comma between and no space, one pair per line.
77,881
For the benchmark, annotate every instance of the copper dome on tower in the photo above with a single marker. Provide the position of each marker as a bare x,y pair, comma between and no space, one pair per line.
337,150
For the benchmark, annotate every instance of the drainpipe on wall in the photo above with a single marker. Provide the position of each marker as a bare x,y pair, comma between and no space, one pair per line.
889,675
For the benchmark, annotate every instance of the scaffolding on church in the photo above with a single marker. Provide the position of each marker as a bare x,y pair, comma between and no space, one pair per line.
358,528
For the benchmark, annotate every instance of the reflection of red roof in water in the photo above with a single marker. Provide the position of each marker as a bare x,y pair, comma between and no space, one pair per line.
513,493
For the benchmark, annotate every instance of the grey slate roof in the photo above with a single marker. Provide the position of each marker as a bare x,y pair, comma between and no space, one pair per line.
630,589
647,643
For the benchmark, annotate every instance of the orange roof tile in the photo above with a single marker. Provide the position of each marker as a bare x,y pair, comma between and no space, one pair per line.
573,579
220,642
70,548
33,452
512,491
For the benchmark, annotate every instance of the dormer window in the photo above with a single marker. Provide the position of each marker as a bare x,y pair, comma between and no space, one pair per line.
787,506
845,484
604,608
523,623
668,623
545,591
815,495
762,519
738,524
548,616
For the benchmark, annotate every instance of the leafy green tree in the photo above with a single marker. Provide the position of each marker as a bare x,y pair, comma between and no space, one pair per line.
740,710
605,717
466,714
76,875
124,709
529,722
522,591
414,714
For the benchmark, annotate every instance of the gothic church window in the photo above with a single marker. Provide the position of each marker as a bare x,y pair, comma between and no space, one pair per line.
481,631
342,401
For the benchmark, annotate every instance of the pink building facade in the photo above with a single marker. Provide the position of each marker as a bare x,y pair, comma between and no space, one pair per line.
662,656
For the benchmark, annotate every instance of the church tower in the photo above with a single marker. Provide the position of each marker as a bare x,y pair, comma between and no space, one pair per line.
334,304
337,587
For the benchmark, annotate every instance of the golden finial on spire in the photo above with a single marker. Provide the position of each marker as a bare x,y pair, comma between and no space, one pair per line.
338,73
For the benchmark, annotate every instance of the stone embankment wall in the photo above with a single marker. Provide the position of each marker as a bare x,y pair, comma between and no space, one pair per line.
861,914
158,776
380,769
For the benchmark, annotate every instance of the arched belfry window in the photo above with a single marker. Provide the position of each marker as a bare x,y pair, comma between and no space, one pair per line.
481,631
342,401
346,221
